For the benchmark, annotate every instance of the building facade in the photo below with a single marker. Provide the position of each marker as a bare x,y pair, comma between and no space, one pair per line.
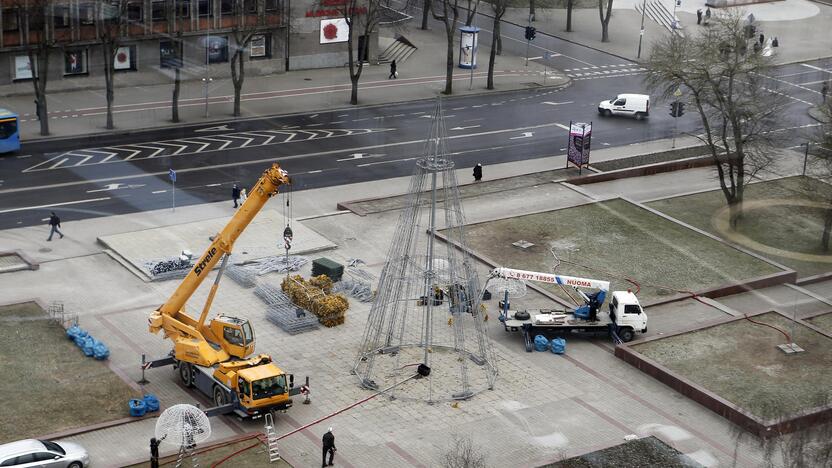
196,36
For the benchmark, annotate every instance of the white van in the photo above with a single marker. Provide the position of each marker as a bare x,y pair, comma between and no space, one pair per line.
635,105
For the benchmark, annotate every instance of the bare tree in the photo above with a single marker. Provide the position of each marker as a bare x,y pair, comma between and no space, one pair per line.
723,77
111,28
243,29
362,17
449,14
499,8
463,454
531,10
426,6
822,164
472,11
175,31
605,19
38,41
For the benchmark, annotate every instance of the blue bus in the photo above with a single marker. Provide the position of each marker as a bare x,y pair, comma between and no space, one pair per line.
9,135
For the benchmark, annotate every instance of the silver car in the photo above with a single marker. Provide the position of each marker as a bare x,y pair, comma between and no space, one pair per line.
43,453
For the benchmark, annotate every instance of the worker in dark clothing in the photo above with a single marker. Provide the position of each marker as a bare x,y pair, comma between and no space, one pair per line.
154,451
477,172
762,40
235,194
55,223
393,73
329,447
824,90
699,16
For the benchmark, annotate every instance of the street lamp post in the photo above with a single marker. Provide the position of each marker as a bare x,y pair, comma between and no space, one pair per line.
470,50
641,31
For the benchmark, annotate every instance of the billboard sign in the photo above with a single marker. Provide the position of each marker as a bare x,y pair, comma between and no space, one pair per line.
334,30
577,152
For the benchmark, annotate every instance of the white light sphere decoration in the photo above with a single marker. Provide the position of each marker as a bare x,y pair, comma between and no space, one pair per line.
183,424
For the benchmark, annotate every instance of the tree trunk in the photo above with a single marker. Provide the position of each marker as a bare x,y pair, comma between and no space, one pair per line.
568,15
734,212
449,75
108,82
354,91
605,19
174,102
238,74
40,62
493,57
499,45
827,227
605,35
425,13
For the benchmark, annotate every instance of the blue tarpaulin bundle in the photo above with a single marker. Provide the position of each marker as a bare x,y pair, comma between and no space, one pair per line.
87,347
137,407
73,331
541,343
558,345
151,403
100,351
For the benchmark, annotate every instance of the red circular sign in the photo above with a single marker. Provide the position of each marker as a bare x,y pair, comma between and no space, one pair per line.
330,31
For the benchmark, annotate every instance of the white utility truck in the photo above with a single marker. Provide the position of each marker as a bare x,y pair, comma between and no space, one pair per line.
624,319
630,105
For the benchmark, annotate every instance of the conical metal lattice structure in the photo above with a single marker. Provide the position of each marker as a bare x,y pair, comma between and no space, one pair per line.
427,307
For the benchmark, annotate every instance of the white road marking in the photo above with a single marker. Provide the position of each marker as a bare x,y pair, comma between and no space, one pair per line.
816,68
466,128
24,156
562,126
158,191
212,185
219,128
314,172
557,103
524,135
77,202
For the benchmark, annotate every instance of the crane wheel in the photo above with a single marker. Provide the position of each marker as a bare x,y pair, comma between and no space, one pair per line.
219,396
186,374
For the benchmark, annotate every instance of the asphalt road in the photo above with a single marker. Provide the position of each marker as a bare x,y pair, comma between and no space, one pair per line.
128,173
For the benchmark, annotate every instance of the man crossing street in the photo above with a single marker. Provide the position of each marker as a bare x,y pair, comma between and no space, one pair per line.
328,447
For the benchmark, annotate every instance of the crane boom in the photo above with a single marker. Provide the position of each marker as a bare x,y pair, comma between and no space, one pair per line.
572,281
171,316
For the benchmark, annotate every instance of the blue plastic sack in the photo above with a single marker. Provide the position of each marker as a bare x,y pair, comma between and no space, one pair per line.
558,345
151,402
87,347
73,331
541,343
100,351
137,407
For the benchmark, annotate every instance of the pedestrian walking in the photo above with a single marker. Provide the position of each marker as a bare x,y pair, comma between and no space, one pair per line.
55,223
243,196
707,15
37,109
235,194
328,447
824,90
762,40
478,172
775,43
393,73
699,16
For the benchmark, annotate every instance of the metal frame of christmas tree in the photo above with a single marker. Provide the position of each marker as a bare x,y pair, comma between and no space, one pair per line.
411,322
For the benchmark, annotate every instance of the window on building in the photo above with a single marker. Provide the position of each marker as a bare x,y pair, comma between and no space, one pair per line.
135,13
272,5
205,7
87,13
227,7
10,19
183,8
260,47
157,10
217,49
170,54
251,6
125,59
61,17
75,62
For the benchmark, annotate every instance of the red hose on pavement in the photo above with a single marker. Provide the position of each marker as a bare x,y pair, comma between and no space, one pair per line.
220,462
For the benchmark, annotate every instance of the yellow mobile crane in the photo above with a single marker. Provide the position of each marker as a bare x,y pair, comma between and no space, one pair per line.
216,357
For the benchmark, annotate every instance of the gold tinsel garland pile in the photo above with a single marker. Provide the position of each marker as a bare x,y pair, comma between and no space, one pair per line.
316,297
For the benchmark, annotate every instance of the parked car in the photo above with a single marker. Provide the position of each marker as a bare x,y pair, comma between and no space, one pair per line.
43,453
631,105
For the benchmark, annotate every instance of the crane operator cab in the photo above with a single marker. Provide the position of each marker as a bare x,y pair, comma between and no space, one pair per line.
234,334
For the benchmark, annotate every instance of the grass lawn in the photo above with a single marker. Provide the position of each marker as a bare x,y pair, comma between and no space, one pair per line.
255,456
740,362
783,220
611,240
48,384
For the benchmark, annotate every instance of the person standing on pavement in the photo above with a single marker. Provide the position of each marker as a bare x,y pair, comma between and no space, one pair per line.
55,223
699,16
243,196
393,73
328,447
824,90
762,40
478,172
235,194
707,15
154,452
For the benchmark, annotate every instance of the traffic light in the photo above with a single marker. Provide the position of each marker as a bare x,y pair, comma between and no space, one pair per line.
530,32
677,109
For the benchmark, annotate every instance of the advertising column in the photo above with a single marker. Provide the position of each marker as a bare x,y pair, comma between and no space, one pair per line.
468,44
